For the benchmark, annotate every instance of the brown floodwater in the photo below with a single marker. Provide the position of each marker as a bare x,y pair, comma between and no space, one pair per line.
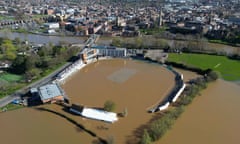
212,118
32,126
131,84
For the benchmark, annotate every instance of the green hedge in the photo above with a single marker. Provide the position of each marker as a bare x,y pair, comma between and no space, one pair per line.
157,128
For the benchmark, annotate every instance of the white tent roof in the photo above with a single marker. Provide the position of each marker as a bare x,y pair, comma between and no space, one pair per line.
99,115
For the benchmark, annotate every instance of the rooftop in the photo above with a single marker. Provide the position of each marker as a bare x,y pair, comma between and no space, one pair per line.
49,91
99,115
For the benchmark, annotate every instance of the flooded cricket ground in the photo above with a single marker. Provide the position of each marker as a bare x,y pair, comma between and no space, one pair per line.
133,85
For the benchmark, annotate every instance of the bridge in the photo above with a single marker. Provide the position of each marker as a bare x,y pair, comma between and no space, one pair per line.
91,40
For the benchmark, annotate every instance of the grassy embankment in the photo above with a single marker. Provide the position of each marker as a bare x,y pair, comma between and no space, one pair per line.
228,69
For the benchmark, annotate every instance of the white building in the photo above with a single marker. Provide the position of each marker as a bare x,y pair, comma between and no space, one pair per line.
111,51
96,114
51,25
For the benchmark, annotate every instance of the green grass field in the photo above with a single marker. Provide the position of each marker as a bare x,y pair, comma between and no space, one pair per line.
229,69
10,77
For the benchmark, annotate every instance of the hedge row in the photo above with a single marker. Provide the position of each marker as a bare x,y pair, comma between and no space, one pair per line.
156,129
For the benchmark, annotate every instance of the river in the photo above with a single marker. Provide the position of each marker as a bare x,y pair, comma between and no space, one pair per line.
42,39
149,40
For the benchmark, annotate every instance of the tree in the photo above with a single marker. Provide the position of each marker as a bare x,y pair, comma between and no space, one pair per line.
45,51
9,55
18,65
32,74
31,62
57,50
109,106
146,139
159,128
47,62
116,42
212,76
138,42
8,49
17,40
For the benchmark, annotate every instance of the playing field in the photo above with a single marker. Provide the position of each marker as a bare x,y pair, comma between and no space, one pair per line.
6,77
229,69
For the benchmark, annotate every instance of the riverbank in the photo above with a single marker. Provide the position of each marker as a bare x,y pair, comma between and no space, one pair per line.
42,39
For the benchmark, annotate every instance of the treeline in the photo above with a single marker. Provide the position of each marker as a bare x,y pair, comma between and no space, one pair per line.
230,36
209,73
166,41
33,62
144,42
36,64
187,67
157,128
172,43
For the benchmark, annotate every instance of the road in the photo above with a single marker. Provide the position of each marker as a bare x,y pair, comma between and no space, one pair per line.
8,99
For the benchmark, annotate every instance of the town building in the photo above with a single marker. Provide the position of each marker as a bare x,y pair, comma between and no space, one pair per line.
51,25
51,93
111,51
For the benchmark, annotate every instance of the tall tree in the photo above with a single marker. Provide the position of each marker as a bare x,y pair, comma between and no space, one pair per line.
8,49
18,65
